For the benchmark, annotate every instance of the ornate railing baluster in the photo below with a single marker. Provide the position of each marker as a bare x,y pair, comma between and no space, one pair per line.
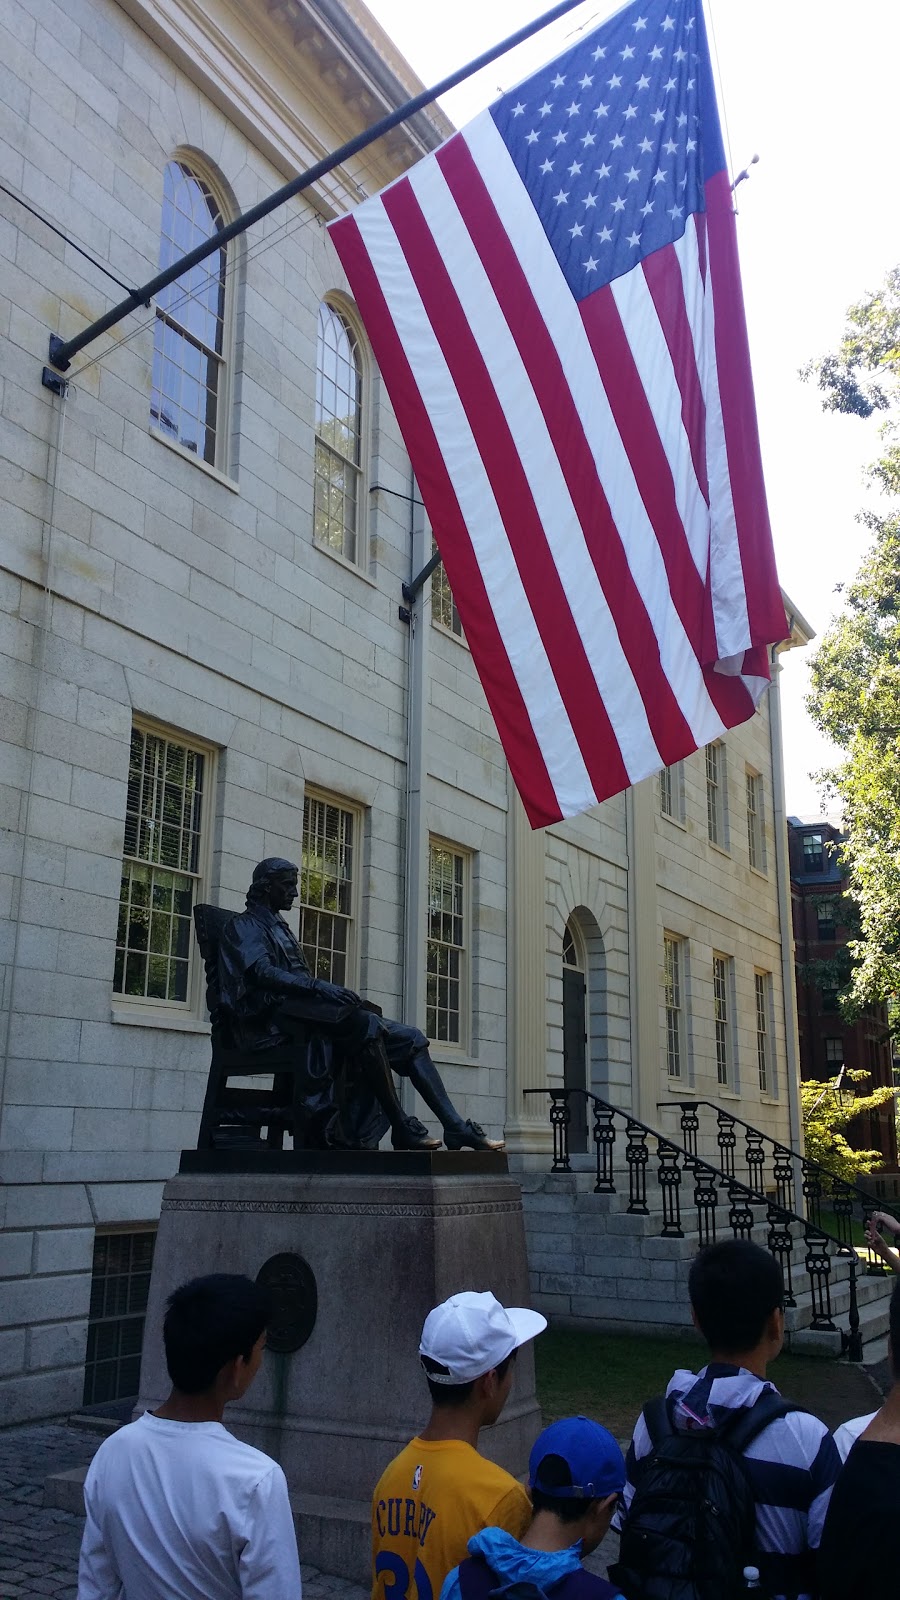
843,1204
560,1117
756,1159
669,1180
726,1139
812,1193
690,1125
636,1156
875,1267
705,1199
780,1241
604,1145
783,1172
740,1213
854,1337
818,1265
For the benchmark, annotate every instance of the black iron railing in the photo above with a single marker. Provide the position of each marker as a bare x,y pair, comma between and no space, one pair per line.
678,1165
769,1163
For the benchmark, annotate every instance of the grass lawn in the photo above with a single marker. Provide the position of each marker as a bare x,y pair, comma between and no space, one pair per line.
609,1376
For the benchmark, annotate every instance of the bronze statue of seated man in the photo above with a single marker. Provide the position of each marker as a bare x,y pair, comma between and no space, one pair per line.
269,996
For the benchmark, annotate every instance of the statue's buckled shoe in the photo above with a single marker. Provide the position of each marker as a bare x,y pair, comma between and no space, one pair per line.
414,1136
471,1136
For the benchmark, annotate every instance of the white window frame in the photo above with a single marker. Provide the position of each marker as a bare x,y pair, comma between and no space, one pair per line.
756,822
671,793
675,1006
723,1020
131,1006
359,561
463,1043
762,986
316,796
716,766
442,600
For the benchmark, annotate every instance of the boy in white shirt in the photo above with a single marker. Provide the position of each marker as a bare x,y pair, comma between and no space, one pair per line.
177,1507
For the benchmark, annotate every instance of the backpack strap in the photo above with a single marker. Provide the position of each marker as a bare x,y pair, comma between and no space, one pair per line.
657,1416
739,1430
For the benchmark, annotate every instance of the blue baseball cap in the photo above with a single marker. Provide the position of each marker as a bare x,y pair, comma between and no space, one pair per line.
595,1462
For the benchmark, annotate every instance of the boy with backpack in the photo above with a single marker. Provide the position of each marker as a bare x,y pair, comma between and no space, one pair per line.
723,1474
576,1473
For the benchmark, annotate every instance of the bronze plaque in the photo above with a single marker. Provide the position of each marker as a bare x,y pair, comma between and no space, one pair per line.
292,1284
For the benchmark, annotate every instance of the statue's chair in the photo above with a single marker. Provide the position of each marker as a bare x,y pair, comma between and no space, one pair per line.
235,1115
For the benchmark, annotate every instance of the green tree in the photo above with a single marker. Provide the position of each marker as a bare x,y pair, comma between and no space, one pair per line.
855,673
828,1110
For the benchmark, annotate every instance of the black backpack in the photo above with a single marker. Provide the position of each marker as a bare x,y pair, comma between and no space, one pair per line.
691,1527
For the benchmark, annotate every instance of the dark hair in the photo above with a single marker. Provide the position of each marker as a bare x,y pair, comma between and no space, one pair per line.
734,1288
209,1322
265,873
556,1474
456,1394
894,1330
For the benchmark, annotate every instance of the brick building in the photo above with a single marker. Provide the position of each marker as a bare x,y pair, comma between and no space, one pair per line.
202,549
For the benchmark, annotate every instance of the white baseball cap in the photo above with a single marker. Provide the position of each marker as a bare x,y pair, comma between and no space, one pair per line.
470,1334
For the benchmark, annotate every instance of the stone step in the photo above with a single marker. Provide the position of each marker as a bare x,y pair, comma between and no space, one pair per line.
873,1325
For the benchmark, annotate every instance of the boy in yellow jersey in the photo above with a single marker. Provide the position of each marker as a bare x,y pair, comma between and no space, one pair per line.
439,1491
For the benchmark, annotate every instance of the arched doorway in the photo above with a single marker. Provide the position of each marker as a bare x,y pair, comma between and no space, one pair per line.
575,1033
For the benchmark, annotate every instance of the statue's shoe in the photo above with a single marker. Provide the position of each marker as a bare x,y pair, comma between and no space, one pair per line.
471,1136
414,1136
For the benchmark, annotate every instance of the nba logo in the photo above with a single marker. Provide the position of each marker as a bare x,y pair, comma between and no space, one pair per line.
417,1477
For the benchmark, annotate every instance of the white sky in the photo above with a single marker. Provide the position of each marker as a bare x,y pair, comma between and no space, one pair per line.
811,86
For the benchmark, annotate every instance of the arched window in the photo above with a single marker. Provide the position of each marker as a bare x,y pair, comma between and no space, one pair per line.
339,435
187,403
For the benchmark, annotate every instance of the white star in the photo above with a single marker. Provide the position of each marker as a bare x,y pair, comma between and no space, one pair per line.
656,53
545,109
603,170
659,176
639,25
669,85
627,53
574,169
602,111
577,231
679,54
634,239
605,235
683,182
618,204
615,82
599,53
519,110
670,147
690,85
643,82
646,209
691,145
645,147
573,109
632,174
630,113
557,82
559,138
675,212
589,201
668,24
531,138
547,166
588,138
617,141
591,264
659,116
689,24
585,82
561,198
681,119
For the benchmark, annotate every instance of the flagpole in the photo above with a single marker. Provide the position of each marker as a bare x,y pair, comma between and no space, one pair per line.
62,350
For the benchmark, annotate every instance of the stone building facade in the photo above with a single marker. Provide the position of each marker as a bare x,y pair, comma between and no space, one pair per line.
207,659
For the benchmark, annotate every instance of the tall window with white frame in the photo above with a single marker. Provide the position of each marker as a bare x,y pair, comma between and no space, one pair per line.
762,982
673,986
756,837
715,794
161,868
339,511
722,1016
666,795
443,605
188,393
326,888
445,957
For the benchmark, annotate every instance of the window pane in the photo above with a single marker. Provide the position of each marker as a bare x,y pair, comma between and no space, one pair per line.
445,949
189,331
326,887
443,605
674,1023
338,458
120,1284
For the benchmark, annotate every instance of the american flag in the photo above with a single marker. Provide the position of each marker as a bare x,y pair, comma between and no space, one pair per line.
554,300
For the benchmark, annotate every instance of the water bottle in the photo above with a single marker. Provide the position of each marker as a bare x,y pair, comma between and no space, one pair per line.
751,1578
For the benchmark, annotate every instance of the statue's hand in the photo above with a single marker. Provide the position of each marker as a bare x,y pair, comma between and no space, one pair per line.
335,992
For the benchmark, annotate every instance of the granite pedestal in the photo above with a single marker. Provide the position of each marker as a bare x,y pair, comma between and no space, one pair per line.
386,1236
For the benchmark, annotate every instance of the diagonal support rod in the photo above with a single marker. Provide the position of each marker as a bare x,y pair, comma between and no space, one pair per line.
62,350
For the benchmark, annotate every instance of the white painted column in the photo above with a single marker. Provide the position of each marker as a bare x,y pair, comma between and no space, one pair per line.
527,1119
643,950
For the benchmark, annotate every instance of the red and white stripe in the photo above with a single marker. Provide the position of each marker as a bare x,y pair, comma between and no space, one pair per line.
568,456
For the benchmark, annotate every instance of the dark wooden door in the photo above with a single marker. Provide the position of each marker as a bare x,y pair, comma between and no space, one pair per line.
575,1055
